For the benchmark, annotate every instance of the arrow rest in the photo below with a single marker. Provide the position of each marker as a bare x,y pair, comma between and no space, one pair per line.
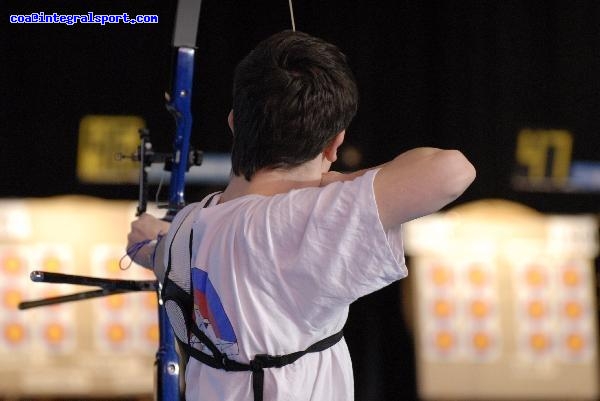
146,156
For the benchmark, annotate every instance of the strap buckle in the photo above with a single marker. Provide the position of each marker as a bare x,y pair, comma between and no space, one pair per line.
262,361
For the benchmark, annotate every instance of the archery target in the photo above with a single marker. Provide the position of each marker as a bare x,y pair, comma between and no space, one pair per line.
553,303
459,310
14,266
504,295
106,345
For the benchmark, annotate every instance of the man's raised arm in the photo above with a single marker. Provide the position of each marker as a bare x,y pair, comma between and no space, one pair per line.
419,182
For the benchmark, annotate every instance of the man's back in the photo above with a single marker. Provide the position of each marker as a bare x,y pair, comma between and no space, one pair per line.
274,274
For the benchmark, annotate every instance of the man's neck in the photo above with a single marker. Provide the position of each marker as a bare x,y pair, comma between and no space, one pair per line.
270,182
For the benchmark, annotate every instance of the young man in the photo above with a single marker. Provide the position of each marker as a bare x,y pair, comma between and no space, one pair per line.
274,261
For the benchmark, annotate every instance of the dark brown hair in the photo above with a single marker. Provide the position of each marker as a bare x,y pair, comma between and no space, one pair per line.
291,95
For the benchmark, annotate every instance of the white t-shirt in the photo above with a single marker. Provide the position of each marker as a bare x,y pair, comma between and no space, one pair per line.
275,274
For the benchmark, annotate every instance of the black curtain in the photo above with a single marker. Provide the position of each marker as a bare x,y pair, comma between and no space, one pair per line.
453,74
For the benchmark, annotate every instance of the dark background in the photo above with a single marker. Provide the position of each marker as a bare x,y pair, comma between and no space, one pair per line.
455,74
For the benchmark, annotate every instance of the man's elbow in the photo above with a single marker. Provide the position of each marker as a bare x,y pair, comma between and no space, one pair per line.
460,173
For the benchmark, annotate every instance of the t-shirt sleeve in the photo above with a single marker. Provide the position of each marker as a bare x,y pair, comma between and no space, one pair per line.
332,245
172,252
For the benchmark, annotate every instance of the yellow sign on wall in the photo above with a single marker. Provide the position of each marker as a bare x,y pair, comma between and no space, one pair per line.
101,138
545,154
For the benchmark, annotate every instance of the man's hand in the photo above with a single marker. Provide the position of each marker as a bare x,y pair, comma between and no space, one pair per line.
145,228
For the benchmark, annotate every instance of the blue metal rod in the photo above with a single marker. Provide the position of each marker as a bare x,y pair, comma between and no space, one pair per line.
181,104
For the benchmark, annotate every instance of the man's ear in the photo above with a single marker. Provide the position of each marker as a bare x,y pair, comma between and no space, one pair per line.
330,151
230,120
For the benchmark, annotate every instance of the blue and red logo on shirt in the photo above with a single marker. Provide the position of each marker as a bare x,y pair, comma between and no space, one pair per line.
208,304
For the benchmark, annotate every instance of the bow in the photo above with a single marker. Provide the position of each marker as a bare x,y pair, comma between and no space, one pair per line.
179,104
